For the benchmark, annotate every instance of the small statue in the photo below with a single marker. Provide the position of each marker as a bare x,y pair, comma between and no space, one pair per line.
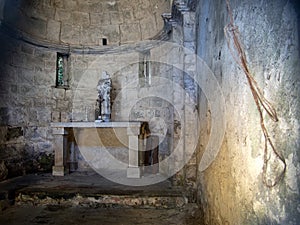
104,87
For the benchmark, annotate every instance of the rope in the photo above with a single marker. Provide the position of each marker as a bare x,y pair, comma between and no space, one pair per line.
232,36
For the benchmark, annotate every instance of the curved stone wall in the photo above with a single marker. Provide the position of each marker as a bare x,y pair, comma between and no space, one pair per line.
233,190
86,23
32,33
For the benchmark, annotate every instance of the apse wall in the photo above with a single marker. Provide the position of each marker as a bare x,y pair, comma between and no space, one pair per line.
86,23
32,35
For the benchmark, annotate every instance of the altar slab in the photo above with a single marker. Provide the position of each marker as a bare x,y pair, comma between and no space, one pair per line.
116,124
60,132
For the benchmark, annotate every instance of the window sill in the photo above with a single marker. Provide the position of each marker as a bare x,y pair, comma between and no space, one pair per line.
66,87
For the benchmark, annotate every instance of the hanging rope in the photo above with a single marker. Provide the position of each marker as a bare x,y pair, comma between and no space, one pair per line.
238,53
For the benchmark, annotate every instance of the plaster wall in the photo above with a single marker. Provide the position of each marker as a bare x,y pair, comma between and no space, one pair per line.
231,190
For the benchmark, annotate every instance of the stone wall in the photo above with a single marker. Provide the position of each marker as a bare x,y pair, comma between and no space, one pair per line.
30,100
26,80
231,190
176,94
86,23
186,132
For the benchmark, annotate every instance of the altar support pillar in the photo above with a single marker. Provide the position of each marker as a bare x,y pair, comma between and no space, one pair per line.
133,170
60,167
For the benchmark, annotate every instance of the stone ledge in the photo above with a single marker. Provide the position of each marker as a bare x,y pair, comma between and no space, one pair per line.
96,124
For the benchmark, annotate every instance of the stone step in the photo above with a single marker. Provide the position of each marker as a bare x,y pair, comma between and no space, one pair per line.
87,189
42,197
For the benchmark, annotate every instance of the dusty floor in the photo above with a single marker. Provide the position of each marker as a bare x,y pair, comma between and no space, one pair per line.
54,214
88,198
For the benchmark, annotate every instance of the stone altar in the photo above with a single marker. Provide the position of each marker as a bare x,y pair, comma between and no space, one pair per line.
60,132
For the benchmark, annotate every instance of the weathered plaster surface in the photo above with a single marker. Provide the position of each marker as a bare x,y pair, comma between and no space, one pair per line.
231,190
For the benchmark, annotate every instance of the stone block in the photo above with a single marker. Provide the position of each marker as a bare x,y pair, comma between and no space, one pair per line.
32,62
27,49
3,173
44,91
9,74
128,16
68,95
70,33
189,19
53,30
26,90
18,116
133,172
189,34
14,133
21,100
42,12
189,67
71,5
130,95
80,18
100,19
127,5
65,117
62,105
116,18
139,13
35,26
80,65
156,102
62,15
46,78
58,93
56,3
190,46
59,170
97,7
39,102
91,7
112,33
137,115
43,116
19,60
26,77
90,36
190,58
45,55
150,113
148,27
13,89
130,32
55,116
36,133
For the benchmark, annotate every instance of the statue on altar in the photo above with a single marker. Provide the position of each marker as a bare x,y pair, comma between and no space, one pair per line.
103,104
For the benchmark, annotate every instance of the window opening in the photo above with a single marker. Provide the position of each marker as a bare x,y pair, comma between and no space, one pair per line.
62,70
104,41
145,69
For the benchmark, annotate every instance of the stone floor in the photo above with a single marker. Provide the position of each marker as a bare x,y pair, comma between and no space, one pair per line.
56,214
88,198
